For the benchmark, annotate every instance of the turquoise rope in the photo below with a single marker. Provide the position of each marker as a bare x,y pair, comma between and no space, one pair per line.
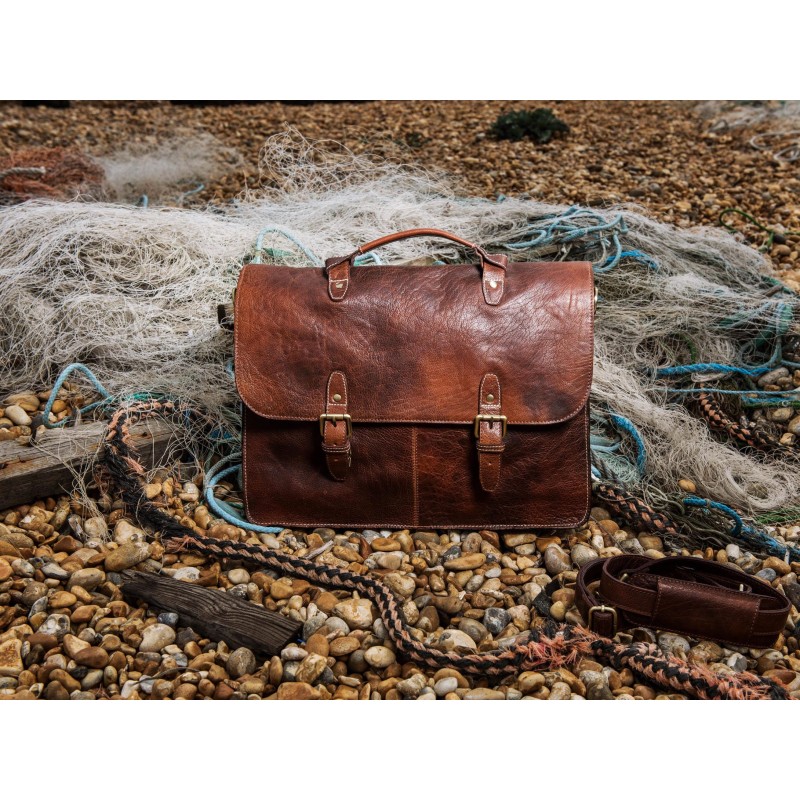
65,373
641,453
223,509
314,259
746,533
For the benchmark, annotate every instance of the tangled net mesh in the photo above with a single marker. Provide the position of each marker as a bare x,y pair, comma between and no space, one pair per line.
132,291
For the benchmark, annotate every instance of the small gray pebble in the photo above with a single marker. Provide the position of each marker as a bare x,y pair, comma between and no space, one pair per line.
168,618
53,570
39,605
181,660
496,619
184,636
327,676
311,626
737,662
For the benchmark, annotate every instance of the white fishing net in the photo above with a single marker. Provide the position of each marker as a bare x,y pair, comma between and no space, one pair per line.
132,292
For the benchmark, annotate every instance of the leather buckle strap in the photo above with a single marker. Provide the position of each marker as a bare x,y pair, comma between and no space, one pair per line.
611,611
490,432
501,418
336,427
702,599
346,418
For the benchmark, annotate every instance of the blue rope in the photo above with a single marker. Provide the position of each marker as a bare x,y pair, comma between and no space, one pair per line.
641,454
293,239
746,533
688,369
634,255
106,396
223,509
565,228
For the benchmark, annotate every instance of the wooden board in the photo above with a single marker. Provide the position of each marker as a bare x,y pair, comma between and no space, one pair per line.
213,613
30,472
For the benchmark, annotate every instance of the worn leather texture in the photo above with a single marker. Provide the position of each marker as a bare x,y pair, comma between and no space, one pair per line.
413,345
702,599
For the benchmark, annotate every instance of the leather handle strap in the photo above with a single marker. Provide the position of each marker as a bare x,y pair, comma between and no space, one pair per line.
702,599
493,267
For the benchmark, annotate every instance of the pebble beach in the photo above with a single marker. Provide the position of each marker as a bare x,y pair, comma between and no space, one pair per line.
67,631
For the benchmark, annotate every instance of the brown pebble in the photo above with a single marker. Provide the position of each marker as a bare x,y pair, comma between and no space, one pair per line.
298,691
66,544
343,646
223,692
285,588
386,545
275,675
46,640
325,601
468,561
94,657
65,679
318,644
118,660
55,691
778,564
223,530
448,672
62,600
186,691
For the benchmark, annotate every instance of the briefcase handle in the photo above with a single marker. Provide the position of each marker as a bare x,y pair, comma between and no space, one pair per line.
493,267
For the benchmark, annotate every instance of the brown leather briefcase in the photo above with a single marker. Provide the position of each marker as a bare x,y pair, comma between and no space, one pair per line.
416,396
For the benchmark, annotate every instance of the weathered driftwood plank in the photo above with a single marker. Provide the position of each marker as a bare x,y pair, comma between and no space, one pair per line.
30,472
213,613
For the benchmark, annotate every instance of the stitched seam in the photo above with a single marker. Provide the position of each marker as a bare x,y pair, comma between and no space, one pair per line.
654,615
755,615
528,526
414,478
244,464
393,421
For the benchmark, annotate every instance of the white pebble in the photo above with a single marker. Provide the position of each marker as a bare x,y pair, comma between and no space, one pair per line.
18,415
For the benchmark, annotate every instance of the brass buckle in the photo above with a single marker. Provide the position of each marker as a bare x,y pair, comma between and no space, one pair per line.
604,608
490,418
334,418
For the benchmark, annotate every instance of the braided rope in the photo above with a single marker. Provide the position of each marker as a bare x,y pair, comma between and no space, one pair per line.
635,511
718,420
550,646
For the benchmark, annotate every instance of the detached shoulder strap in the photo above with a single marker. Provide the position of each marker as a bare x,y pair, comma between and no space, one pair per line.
703,599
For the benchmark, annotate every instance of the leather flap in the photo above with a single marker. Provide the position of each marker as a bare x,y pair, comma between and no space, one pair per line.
414,342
